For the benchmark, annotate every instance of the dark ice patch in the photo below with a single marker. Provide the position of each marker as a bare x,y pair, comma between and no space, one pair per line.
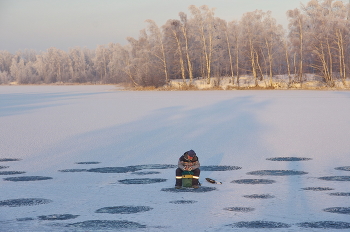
24,202
335,178
346,168
124,209
155,166
28,178
3,167
73,170
288,159
201,189
325,225
318,188
11,172
219,168
276,173
183,202
142,181
340,194
92,162
106,224
259,196
9,159
240,209
25,219
114,169
145,173
253,181
340,210
57,217
260,224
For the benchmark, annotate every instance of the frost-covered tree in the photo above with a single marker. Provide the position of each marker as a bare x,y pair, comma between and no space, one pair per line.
157,47
253,37
79,64
5,61
101,61
203,20
296,27
185,28
175,46
5,77
19,71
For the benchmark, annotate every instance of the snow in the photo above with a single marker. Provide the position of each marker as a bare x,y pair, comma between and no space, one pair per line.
310,82
53,128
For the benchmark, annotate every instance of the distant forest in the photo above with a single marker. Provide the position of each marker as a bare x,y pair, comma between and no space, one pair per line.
201,45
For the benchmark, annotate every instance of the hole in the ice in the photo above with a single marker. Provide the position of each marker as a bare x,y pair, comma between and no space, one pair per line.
288,159
145,173
325,225
124,209
219,168
107,224
260,224
184,202
92,162
259,196
335,178
240,209
276,173
11,172
142,181
318,188
340,194
25,219
57,217
73,170
114,169
24,202
340,210
155,166
28,178
346,168
9,159
201,189
253,181
3,167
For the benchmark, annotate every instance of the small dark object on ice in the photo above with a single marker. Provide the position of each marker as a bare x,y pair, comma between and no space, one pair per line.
213,181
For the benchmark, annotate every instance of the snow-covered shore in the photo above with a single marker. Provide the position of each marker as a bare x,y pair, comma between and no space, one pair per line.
280,82
285,149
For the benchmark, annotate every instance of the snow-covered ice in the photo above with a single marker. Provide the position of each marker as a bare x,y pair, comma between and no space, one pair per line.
98,158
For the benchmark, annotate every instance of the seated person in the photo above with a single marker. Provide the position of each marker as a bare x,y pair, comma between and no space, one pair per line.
188,162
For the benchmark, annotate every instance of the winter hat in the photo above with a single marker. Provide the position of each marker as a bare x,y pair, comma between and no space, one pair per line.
191,153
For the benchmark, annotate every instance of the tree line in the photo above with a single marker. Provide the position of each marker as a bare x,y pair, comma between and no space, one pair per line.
201,45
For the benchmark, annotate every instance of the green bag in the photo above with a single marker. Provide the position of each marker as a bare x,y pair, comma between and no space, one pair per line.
187,177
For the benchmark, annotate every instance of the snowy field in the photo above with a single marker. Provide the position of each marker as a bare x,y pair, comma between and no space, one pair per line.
94,158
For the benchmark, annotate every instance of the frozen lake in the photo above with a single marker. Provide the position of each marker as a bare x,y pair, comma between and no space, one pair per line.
95,158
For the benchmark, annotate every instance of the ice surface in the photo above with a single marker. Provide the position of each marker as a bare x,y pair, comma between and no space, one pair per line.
91,139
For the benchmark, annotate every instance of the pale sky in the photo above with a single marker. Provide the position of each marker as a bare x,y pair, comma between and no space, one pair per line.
64,24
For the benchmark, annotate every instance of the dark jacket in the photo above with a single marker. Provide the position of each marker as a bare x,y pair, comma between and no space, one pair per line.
192,164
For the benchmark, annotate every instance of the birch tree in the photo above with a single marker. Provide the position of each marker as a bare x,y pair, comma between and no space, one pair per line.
273,35
158,49
172,31
185,32
296,33
204,21
252,36
224,27
79,65
101,61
